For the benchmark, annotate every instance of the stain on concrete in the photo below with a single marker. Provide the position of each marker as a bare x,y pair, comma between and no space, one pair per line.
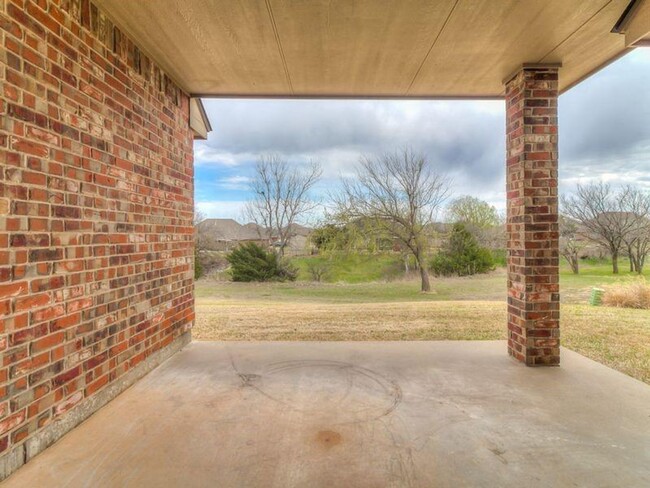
328,438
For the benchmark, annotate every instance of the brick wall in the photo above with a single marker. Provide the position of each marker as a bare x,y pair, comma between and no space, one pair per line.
533,253
96,203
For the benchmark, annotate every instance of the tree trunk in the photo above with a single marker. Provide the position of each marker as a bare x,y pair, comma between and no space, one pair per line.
424,274
637,261
575,265
615,262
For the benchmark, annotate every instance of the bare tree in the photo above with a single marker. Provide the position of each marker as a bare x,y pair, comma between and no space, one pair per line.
603,214
203,237
401,194
570,243
637,239
200,236
281,196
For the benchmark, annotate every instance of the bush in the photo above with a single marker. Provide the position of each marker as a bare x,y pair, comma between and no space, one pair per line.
461,255
318,270
198,267
250,262
628,295
500,257
211,262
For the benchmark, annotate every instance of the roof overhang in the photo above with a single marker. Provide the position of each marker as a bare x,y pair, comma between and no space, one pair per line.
376,48
199,122
634,23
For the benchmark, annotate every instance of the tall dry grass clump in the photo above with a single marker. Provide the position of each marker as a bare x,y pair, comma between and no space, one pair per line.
628,295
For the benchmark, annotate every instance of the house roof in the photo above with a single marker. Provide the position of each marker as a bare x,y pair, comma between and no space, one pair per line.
228,230
387,48
231,230
300,230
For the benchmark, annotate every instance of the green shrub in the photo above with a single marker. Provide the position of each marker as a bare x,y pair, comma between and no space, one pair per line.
250,262
198,267
461,255
442,265
500,257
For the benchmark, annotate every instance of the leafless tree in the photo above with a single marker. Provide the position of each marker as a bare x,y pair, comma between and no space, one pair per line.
280,197
604,215
204,239
200,237
637,240
570,243
401,194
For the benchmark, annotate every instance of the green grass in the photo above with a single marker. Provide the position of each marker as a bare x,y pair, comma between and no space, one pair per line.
351,268
593,274
365,285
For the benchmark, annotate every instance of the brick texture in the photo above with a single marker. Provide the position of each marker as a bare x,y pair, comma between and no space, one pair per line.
96,203
533,253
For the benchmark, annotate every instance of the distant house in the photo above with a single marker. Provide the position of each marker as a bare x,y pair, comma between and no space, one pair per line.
227,234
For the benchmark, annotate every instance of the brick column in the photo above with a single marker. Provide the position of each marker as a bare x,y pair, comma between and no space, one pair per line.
532,226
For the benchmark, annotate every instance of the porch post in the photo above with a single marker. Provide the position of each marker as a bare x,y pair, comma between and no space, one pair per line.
532,222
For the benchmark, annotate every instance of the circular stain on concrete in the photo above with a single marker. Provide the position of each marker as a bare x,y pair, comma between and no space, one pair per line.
338,390
328,438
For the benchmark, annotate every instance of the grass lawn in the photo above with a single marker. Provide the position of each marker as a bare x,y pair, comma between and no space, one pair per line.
459,308
352,268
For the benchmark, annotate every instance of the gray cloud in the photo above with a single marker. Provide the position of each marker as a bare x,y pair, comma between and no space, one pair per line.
608,115
604,132
460,138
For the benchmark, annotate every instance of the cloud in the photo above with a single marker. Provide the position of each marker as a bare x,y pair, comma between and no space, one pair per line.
605,118
234,182
604,134
205,154
216,209
465,138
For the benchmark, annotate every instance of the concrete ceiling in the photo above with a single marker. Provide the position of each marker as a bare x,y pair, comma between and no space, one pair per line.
355,48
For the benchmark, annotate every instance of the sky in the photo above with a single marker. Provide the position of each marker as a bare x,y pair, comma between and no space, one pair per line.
604,130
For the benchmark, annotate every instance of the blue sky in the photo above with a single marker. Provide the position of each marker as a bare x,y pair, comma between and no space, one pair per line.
604,135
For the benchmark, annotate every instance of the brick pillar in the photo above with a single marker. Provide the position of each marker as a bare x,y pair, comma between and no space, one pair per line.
532,226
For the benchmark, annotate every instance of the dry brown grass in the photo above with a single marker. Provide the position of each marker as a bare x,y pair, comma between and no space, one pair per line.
246,320
628,295
619,338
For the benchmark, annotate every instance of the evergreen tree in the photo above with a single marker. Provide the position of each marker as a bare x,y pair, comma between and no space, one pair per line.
250,262
461,255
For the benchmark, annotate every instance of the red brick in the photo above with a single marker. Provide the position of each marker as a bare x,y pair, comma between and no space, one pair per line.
88,156
13,289
533,312
11,422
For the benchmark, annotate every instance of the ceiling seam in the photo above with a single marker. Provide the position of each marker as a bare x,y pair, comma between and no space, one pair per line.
574,32
426,56
279,44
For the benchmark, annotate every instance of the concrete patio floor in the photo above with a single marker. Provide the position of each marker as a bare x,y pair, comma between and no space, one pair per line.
427,414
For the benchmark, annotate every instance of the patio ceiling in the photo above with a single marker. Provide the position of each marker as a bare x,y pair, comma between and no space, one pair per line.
394,48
